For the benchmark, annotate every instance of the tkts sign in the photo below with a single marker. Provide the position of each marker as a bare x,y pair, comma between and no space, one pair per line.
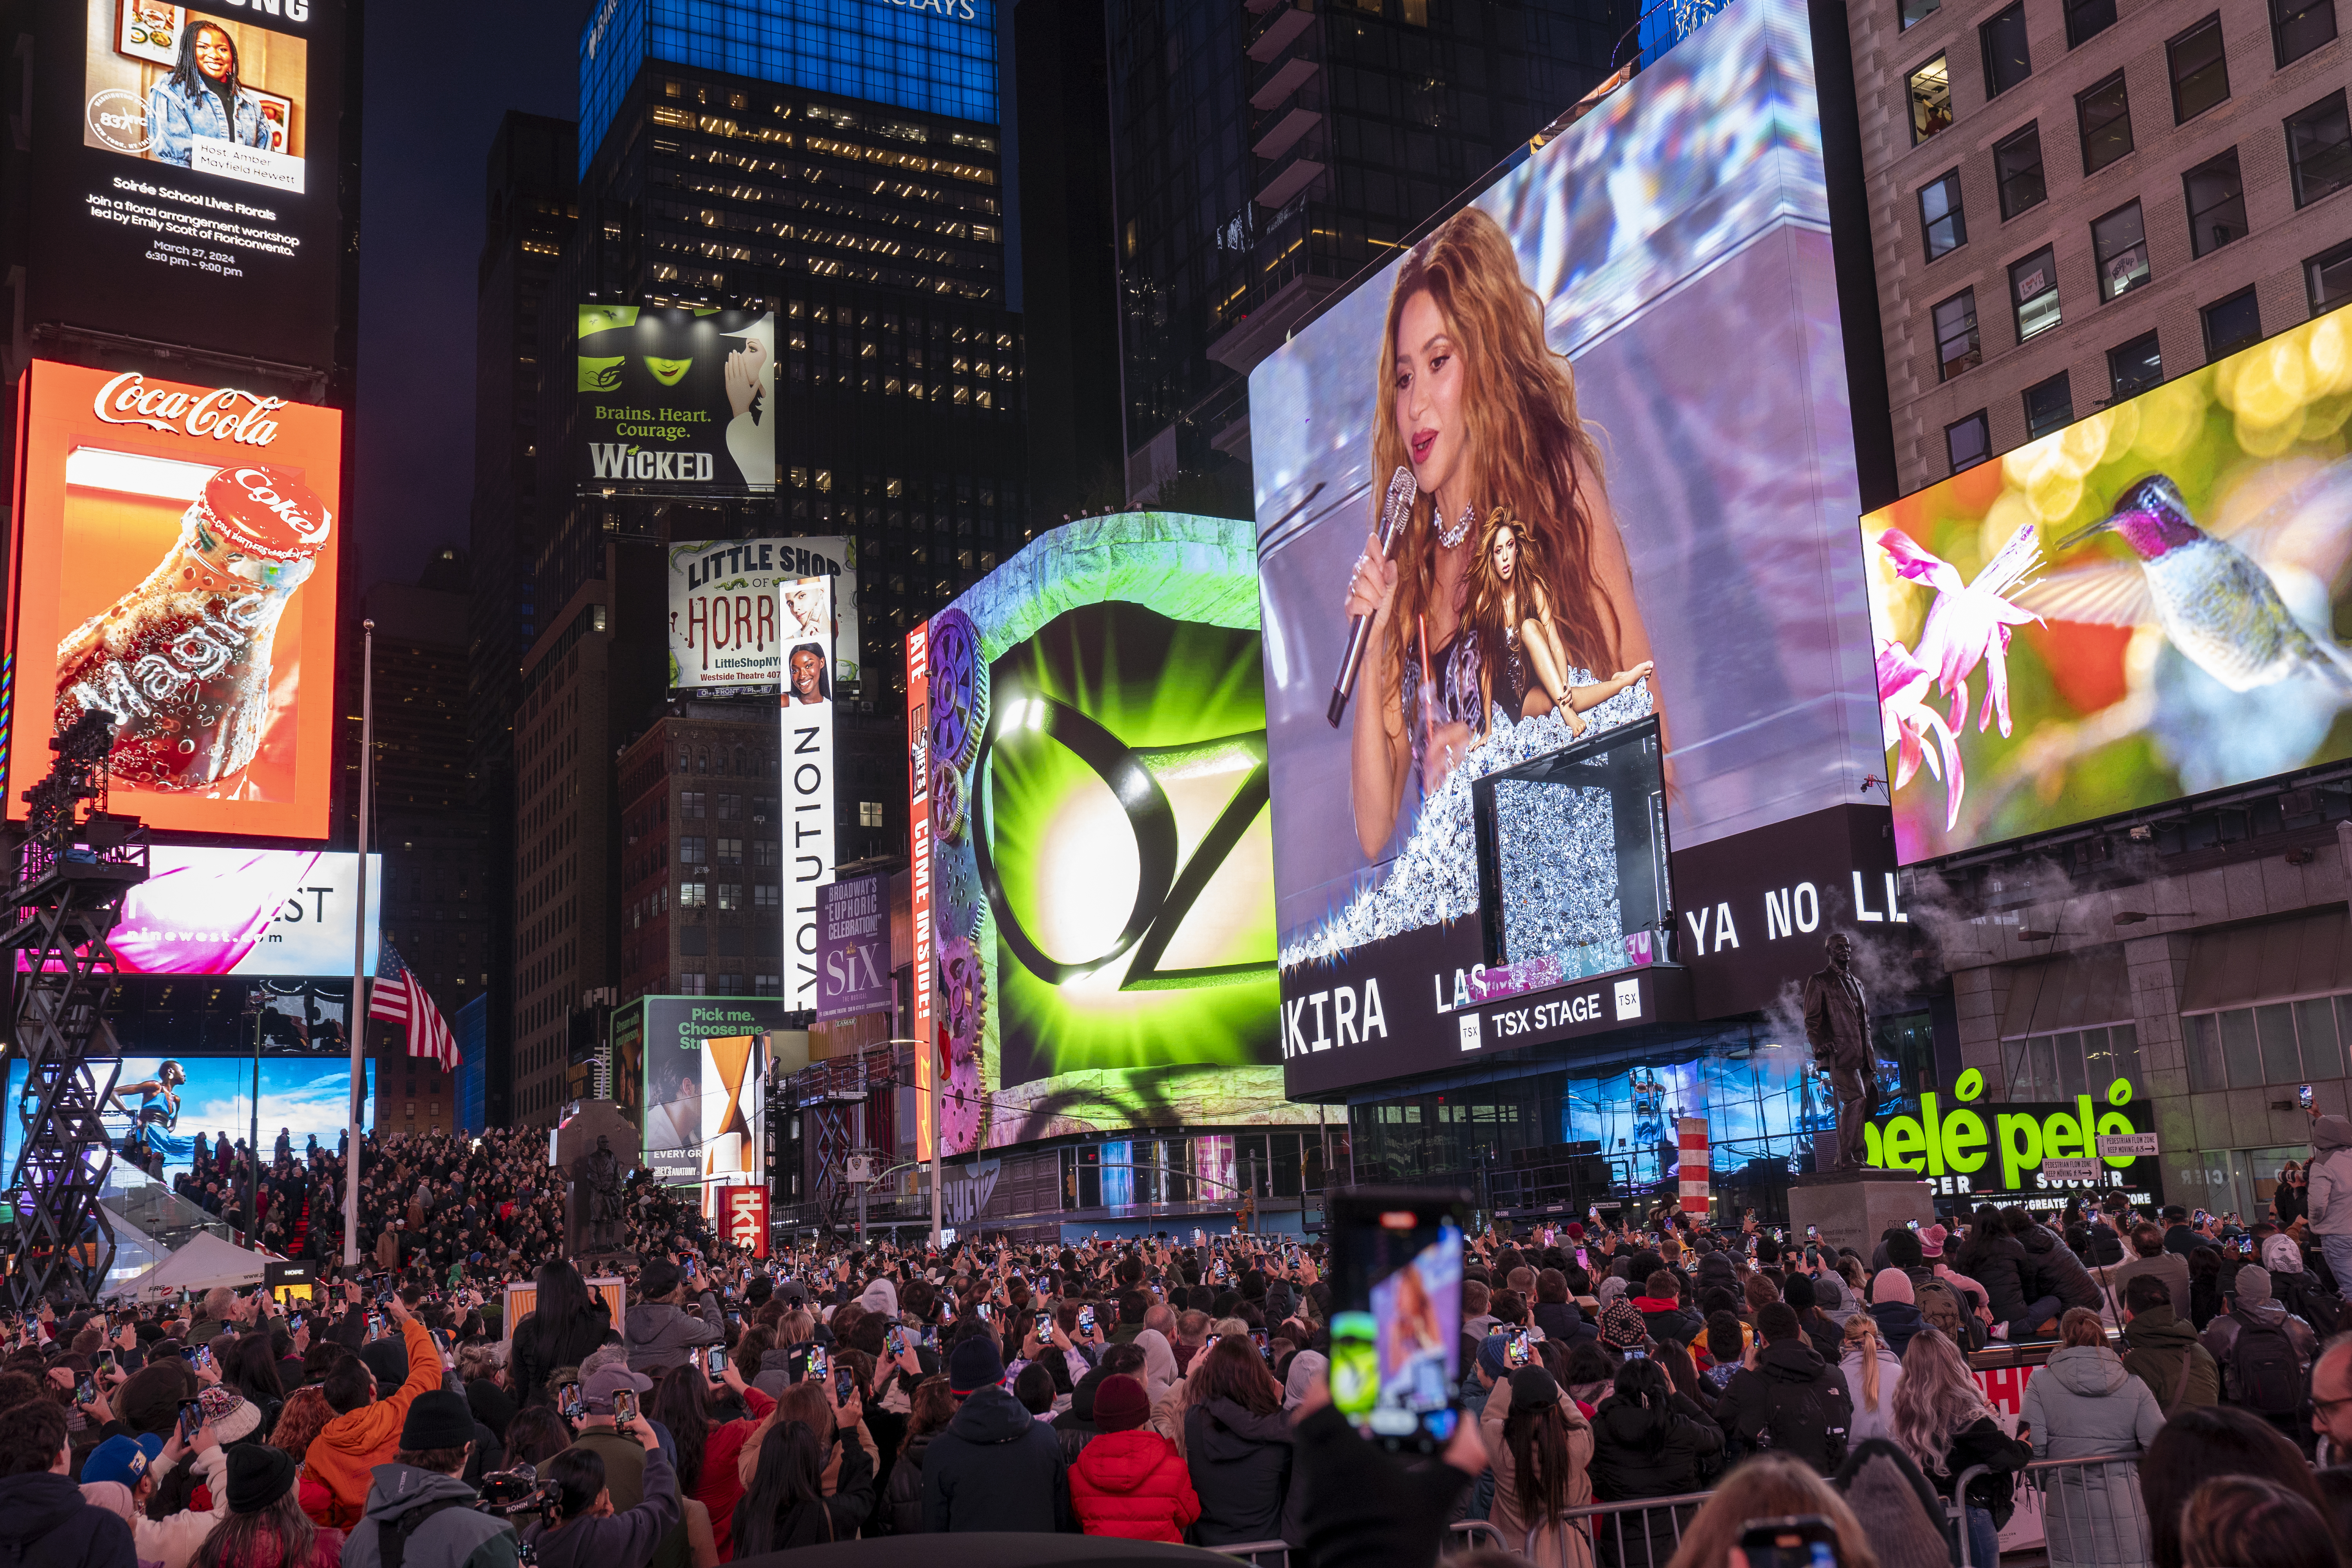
743,1217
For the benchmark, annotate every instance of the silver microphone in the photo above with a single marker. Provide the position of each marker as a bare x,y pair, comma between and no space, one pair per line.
1393,512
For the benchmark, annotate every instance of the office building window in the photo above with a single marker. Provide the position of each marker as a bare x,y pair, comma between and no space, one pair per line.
2216,202
693,849
1955,335
690,802
729,806
2329,276
731,852
2007,61
2049,406
763,852
1942,220
2033,290
2104,114
2299,26
692,895
2119,241
2134,367
730,895
2201,71
2319,149
1931,98
767,985
1968,442
766,896
2232,324
1918,11
690,983
869,814
2017,167
2088,19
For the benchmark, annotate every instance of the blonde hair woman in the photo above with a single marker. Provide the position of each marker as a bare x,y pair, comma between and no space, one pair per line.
1770,1486
1872,1371
1477,406
1942,1421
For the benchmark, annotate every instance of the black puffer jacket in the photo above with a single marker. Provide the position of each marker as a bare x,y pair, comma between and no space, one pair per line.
995,1468
1241,1468
45,1523
2056,1271
902,1503
2000,1266
1636,1454
1745,1410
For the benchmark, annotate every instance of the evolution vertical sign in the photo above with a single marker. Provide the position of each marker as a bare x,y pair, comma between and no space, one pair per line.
804,618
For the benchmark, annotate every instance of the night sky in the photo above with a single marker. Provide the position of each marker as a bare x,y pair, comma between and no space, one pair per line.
439,77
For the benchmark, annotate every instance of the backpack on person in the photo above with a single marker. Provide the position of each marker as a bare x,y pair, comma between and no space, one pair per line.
2299,1293
1797,1422
2263,1370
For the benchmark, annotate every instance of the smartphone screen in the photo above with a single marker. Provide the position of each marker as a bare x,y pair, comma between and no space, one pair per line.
1518,1348
2302,1097
1812,1233
204,1355
1804,1541
567,1401
191,1421
375,1325
716,1361
844,1386
895,1342
980,1308
624,1406
1396,1325
1087,1322
85,1390
1257,1338
103,1361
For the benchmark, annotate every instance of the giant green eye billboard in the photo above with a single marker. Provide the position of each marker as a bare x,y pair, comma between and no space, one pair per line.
1103,898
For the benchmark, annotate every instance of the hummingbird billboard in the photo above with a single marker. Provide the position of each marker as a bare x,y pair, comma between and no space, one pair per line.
2147,605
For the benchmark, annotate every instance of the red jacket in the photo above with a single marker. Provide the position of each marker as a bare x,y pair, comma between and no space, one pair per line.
1133,1484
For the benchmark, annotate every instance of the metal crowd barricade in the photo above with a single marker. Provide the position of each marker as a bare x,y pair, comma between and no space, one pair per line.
2092,1513
1474,1532
1624,1534
1258,1554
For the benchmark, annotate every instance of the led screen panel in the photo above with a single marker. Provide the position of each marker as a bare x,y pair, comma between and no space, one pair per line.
1100,862
175,565
1591,491
166,1101
672,398
2152,602
281,913
187,174
702,1068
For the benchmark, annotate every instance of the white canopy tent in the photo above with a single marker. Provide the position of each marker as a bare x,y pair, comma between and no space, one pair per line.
206,1261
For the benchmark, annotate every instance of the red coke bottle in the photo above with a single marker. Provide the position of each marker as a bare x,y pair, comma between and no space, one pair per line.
183,660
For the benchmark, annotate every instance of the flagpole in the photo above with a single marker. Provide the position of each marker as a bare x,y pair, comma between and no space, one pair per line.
355,1025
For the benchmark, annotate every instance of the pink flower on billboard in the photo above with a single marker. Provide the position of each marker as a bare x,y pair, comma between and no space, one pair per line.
1968,621
1904,684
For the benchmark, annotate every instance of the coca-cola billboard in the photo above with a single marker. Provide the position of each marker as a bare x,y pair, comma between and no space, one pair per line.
174,565
187,159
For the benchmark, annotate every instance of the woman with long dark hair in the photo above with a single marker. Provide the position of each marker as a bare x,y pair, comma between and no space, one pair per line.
1238,1443
1541,1448
203,100
249,1364
1648,1441
264,1526
535,1436
708,1446
562,1330
784,1505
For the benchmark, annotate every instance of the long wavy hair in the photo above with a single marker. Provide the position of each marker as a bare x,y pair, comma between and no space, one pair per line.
303,1417
681,1401
1524,445
1532,596
1934,1400
278,1536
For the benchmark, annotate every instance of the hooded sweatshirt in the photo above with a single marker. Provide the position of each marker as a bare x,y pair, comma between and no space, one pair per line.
173,1541
2082,1404
45,1523
622,1538
882,1297
345,1455
453,1537
1745,1409
659,1335
2330,1176
1159,1363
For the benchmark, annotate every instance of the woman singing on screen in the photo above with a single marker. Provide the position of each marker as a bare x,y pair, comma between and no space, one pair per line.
202,99
1484,416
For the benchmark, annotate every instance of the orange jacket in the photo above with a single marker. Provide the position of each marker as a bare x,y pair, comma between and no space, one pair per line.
344,1454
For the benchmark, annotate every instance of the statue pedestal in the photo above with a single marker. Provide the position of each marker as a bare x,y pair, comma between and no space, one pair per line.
1854,1209
574,1145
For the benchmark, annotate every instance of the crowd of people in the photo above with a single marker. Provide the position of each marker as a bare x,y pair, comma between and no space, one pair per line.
2191,1372
465,1209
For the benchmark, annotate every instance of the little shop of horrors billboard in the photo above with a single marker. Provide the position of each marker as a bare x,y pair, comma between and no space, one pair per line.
2038,1154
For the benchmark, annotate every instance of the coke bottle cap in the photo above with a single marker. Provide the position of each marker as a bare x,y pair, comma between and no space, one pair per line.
264,513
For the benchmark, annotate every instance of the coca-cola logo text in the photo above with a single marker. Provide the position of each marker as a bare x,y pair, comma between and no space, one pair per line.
225,413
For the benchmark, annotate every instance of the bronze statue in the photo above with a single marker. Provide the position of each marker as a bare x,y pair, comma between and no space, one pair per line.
1837,1027
596,1186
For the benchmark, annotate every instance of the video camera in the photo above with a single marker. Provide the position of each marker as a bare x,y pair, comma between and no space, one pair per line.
517,1490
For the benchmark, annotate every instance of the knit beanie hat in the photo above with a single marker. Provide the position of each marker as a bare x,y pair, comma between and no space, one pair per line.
975,1365
1121,1404
437,1419
258,1475
2254,1283
1491,1359
1892,1285
233,1417
1532,1389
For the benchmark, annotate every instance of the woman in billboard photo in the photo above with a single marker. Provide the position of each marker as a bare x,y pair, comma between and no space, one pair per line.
1510,610
811,683
1483,414
203,99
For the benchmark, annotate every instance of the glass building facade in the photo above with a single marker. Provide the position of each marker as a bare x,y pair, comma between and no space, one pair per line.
937,57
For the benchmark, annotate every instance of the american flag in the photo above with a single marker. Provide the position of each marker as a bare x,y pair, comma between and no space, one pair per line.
399,998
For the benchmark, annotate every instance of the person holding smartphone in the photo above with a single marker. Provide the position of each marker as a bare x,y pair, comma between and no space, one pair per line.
421,1497
586,1527
668,1318
365,1430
